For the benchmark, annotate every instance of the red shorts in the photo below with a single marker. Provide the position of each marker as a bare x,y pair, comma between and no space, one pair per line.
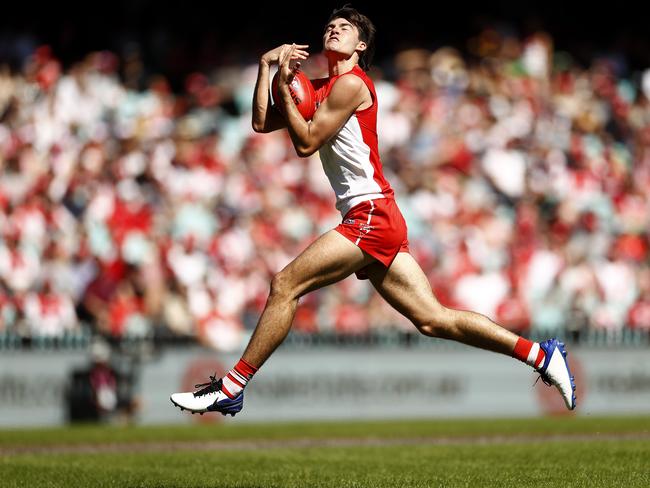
377,227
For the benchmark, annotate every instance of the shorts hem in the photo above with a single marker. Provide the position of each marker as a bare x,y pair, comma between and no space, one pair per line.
354,239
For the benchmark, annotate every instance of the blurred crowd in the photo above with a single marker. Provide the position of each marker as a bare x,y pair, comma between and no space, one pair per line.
523,177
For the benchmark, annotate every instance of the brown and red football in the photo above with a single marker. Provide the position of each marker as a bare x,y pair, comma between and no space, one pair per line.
302,92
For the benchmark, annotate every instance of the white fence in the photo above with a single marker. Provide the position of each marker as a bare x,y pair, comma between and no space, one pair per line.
346,383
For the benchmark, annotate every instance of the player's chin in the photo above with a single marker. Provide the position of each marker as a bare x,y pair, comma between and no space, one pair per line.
333,50
332,44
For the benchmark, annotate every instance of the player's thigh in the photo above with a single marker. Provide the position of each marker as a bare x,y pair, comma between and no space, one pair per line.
328,259
406,288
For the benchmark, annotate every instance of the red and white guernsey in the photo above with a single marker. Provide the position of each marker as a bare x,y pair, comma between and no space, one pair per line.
351,157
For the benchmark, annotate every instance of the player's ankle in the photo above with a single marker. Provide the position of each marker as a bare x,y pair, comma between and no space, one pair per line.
529,352
234,382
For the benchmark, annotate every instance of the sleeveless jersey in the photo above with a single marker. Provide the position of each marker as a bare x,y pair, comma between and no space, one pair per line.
351,157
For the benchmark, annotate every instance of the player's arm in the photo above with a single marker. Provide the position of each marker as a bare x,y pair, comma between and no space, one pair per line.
345,97
266,118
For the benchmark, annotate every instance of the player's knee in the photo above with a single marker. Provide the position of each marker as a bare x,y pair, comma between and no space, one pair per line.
436,324
281,285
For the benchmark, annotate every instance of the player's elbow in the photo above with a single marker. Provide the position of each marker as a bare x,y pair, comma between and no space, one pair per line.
307,147
305,151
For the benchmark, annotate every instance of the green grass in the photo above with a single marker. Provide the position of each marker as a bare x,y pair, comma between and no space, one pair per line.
525,460
98,434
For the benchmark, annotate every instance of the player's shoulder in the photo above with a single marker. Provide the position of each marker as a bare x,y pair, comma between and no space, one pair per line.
349,82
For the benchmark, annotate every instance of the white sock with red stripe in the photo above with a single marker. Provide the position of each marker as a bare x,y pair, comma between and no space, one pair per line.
529,352
235,381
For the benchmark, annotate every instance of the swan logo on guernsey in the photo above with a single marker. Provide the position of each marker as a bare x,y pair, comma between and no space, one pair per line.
349,221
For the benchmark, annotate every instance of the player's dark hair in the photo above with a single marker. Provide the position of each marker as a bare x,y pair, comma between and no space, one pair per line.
366,31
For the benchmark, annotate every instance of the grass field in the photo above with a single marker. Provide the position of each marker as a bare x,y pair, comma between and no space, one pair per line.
565,451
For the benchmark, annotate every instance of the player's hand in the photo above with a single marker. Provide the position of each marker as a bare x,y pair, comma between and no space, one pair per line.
287,53
273,56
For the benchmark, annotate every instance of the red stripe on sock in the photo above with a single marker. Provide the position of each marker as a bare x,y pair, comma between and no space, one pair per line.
540,357
234,380
245,369
522,349
225,390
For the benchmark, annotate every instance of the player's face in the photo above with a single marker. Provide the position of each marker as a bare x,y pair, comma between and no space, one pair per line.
341,36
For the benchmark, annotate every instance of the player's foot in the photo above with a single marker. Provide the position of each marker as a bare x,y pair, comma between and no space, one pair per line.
209,398
555,371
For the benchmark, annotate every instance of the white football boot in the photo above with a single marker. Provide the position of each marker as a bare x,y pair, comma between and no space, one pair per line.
555,371
209,398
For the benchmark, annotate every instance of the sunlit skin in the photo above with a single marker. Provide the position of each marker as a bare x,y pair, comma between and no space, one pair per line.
333,257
